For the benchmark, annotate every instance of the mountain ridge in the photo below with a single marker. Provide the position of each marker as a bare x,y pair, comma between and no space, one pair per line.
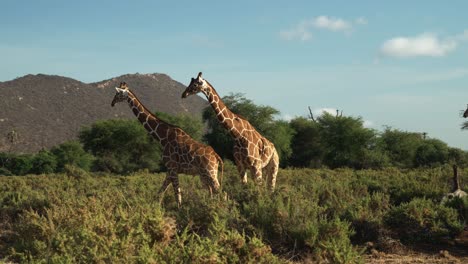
46,110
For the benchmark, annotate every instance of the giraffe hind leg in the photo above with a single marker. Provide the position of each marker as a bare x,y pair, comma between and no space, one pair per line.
205,179
272,170
175,184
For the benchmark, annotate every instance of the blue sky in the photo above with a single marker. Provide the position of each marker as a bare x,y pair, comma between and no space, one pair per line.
398,63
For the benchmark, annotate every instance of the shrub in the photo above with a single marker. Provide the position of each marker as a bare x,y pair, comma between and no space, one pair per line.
423,220
121,146
21,164
72,153
461,205
43,162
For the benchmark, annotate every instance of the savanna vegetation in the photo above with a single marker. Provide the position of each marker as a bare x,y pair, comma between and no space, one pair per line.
314,214
342,185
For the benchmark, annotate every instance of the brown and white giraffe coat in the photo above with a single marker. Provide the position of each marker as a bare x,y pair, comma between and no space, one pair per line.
252,151
181,153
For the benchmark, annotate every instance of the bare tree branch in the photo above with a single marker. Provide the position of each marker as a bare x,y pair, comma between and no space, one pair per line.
311,115
464,126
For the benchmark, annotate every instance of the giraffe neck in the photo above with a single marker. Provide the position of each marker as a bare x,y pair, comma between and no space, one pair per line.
157,128
224,115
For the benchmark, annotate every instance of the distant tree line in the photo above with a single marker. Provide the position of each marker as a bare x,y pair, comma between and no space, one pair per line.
333,141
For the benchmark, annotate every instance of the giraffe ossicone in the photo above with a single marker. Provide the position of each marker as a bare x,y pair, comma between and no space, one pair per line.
252,151
181,153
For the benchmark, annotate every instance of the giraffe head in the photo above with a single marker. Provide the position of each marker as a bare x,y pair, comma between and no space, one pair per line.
196,85
121,93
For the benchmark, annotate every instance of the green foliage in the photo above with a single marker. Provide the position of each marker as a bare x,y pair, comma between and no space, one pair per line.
72,153
306,144
431,152
319,216
423,220
461,205
43,162
19,164
121,146
261,117
280,133
193,126
458,156
400,146
346,140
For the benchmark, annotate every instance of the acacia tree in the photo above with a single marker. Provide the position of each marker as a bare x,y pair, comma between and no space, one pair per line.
121,146
306,144
431,152
346,140
400,146
72,153
191,125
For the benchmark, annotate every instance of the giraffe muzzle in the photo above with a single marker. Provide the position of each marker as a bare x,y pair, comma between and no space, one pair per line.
184,95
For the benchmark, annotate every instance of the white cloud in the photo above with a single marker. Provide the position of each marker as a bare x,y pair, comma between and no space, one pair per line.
462,36
422,45
287,117
300,31
303,30
368,124
321,111
361,21
331,23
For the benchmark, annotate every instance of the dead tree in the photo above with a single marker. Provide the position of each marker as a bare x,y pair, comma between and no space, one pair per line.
311,115
338,114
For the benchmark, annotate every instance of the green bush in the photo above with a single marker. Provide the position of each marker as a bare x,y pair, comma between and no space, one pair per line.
431,152
121,146
191,125
461,205
423,220
72,153
314,215
43,162
21,164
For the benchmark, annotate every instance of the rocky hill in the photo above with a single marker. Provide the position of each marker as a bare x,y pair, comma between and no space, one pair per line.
41,111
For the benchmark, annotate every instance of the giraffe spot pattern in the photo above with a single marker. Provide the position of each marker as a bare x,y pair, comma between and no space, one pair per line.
181,153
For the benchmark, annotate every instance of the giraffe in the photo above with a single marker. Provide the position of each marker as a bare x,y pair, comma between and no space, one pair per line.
181,153
252,151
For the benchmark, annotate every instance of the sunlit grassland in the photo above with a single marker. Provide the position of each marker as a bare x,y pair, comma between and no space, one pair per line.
320,215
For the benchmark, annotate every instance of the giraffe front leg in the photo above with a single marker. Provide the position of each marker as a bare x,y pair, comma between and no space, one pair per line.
240,166
257,174
272,170
164,185
175,184
243,174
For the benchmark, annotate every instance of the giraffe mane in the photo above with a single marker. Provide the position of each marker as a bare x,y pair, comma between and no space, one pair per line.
154,114
237,115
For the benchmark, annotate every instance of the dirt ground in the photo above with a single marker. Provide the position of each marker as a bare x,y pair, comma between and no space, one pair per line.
454,251
416,257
